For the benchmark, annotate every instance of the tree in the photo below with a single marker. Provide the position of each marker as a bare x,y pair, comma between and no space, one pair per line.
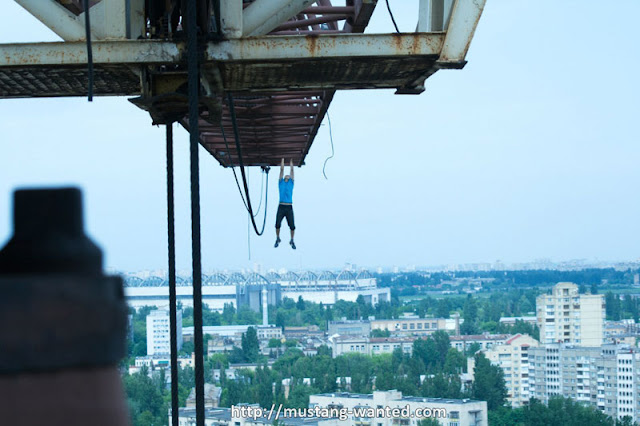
274,343
228,313
380,333
443,308
300,304
488,383
455,362
280,320
442,345
146,403
250,345
613,307
472,349
470,315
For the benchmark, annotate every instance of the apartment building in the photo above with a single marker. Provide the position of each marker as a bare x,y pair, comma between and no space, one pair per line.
569,317
605,377
158,332
513,357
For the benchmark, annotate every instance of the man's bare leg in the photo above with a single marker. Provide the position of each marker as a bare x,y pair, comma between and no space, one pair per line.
293,245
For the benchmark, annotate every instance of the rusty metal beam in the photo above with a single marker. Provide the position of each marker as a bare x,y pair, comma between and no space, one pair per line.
270,48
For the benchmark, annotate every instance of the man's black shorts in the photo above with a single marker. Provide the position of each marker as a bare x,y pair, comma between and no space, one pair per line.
285,210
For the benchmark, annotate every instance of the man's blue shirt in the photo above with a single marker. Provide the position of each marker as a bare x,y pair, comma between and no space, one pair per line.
286,191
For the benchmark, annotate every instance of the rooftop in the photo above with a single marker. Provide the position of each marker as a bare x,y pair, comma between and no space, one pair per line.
401,398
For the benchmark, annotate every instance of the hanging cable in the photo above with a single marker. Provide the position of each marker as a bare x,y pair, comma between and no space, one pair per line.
193,84
265,170
332,150
392,18
87,29
236,133
261,189
249,223
171,246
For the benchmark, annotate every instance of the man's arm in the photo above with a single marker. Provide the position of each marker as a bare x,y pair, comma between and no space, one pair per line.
291,165
282,169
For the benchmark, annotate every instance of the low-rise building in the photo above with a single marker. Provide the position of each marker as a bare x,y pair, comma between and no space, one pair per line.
449,412
341,345
264,332
410,325
349,328
485,341
311,331
212,395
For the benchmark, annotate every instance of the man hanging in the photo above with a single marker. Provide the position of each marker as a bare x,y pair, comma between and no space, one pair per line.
285,208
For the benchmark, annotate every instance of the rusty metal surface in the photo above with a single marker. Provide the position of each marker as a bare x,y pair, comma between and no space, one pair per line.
34,82
284,82
354,73
271,127
76,6
259,49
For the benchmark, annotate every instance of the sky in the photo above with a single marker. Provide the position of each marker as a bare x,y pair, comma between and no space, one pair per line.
531,151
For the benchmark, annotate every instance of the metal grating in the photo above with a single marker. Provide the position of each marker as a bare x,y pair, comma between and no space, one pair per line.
38,81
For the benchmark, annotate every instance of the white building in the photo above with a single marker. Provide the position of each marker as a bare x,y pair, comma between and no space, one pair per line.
605,377
414,325
569,317
513,358
449,412
341,345
158,332
484,341
264,332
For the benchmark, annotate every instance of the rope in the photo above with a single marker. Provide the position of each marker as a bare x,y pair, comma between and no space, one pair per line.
332,150
392,18
196,254
235,175
87,30
171,243
236,133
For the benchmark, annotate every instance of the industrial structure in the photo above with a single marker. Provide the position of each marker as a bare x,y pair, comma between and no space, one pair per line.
282,61
251,289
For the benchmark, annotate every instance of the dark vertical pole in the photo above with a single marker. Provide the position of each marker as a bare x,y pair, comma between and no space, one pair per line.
194,85
171,243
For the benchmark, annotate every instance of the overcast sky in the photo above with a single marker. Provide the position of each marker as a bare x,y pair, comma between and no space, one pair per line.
531,151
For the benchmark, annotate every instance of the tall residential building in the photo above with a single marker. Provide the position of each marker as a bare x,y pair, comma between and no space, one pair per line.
513,358
566,316
158,332
605,377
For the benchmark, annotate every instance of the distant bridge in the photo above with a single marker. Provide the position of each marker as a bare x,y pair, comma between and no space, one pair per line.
306,279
